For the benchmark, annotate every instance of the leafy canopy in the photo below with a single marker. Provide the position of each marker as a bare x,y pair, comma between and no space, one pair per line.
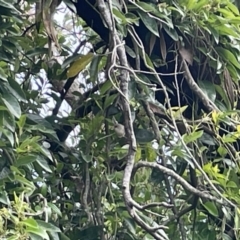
179,102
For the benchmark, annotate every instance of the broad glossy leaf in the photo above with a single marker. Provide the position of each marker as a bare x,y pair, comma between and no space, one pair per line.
228,56
119,16
7,120
43,130
4,198
148,62
25,159
12,104
149,22
211,207
9,135
130,51
208,88
199,4
43,163
208,139
105,87
69,60
144,135
4,172
222,151
3,75
214,32
223,95
233,8
94,68
38,231
193,136
37,51
147,7
163,47
55,209
109,100
6,4
16,89
30,222
40,122
62,236
150,152
86,157
24,181
47,226
80,64
171,32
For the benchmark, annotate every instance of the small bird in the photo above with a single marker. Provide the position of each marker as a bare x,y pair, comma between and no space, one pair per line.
118,128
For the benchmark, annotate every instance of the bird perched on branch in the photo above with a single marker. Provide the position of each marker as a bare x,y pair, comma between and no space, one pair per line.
118,128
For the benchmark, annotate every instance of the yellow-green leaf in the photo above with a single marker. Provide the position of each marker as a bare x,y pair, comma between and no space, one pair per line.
228,56
211,208
77,66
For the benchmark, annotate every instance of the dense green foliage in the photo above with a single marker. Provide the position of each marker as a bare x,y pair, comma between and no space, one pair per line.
66,177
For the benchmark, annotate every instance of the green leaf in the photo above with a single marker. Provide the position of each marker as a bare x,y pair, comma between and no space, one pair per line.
4,173
34,236
222,151
231,184
4,198
43,130
193,136
77,66
54,235
24,160
63,236
38,231
3,76
147,61
150,152
21,122
130,52
16,89
144,135
94,68
30,222
199,4
223,95
211,208
149,22
24,181
86,157
55,209
228,56
147,7
109,100
9,136
209,89
105,87
39,120
8,5
43,163
214,32
69,60
119,16
232,7
12,104
171,32
37,51
47,226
